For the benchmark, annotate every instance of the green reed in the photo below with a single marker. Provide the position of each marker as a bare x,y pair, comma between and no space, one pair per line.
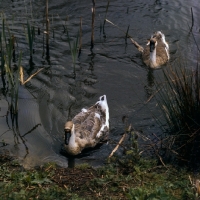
2,62
30,37
179,101
73,46
8,73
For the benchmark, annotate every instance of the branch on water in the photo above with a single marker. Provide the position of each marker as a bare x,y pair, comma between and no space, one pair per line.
120,142
30,77
140,48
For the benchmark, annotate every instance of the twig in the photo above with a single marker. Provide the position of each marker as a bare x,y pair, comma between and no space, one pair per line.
119,143
140,48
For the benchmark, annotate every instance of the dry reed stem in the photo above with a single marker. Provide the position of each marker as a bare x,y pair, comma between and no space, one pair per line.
140,48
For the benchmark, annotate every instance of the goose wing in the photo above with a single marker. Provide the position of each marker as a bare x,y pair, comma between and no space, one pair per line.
162,54
88,123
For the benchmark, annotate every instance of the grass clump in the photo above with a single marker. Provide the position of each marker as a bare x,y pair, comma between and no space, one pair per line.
73,46
179,100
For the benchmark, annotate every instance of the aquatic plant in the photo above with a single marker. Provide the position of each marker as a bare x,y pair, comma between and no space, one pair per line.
8,71
47,30
104,22
2,62
30,38
93,17
73,46
179,101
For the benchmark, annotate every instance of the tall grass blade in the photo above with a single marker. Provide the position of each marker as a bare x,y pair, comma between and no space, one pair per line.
73,46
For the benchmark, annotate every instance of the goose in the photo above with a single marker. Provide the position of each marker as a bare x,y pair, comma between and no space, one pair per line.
88,128
156,53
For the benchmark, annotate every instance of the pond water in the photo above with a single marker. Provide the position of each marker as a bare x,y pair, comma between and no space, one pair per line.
113,67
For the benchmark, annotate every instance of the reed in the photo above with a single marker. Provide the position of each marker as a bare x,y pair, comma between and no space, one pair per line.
73,46
80,37
192,19
47,30
179,101
2,62
8,75
104,22
30,36
93,17
127,34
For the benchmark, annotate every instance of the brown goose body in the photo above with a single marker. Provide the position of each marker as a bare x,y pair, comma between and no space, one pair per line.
87,128
156,53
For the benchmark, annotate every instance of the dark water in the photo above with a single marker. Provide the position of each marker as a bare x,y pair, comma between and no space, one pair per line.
113,67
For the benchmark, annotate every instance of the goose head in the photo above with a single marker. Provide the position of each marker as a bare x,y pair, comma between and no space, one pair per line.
68,131
152,43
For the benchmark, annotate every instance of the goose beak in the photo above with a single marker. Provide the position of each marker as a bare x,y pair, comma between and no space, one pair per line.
67,136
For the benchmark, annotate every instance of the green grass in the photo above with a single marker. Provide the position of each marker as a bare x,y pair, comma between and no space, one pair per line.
145,180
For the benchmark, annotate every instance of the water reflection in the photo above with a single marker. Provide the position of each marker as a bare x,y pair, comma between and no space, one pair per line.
149,88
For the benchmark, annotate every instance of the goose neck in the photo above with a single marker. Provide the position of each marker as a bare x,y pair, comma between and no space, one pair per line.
153,57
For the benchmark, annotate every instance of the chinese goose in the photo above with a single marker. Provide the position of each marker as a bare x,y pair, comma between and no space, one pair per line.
87,128
156,53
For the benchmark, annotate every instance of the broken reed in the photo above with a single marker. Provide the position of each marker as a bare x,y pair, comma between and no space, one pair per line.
179,101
